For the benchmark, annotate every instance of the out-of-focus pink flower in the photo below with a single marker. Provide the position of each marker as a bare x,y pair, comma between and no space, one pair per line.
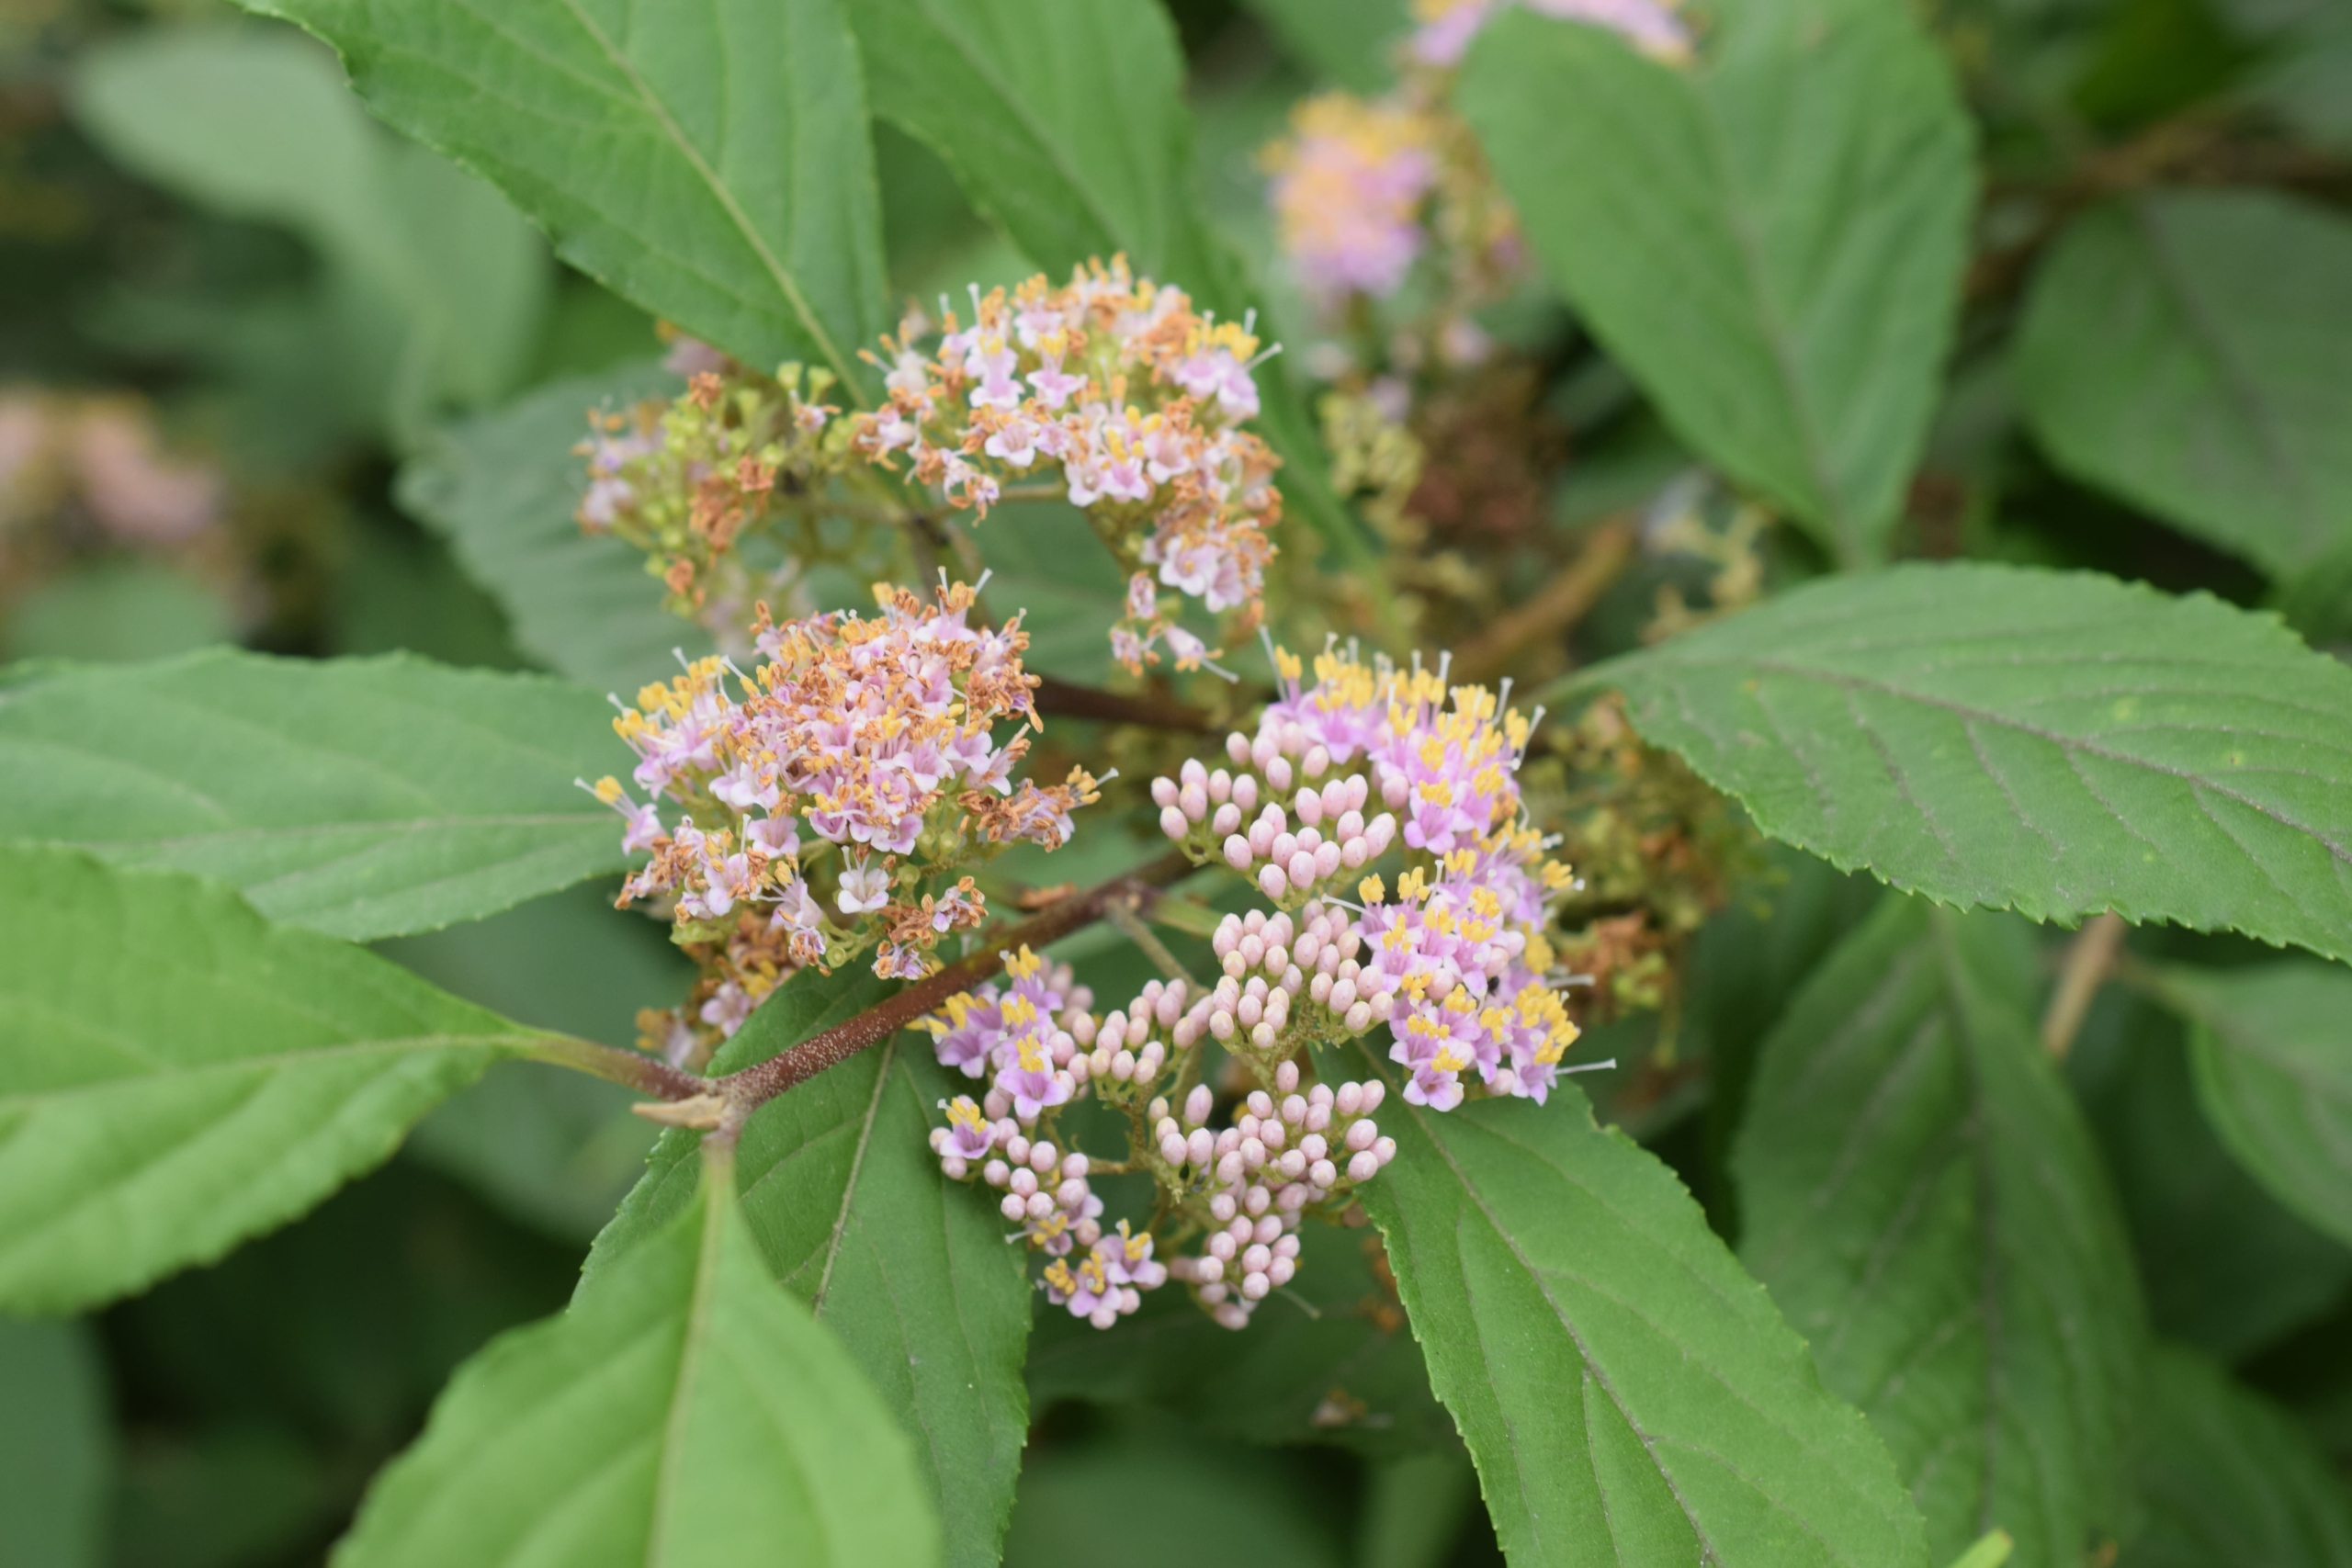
1348,186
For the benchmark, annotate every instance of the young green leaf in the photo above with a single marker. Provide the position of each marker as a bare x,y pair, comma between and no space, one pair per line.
707,159
503,488
1926,1207
2058,743
1771,245
362,798
1628,1396
2273,1050
2188,351
2226,1477
843,1194
176,1074
683,1411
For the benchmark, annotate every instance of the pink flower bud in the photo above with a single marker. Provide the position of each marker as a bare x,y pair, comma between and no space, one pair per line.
1319,988
1013,1209
1244,793
1163,791
1040,1205
1253,1156
1255,1258
1221,1247
1327,859
1070,1194
1280,1270
1395,791
1194,799
1192,773
1279,849
1237,746
1278,773
1211,1270
953,1168
1262,837
1075,1164
1273,883
1348,1099
1230,1169
1386,1148
1293,1105
1221,1207
1171,1149
1301,869
1255,1286
1172,823
1375,1091
1023,1181
1358,1018
1323,1174
1198,1104
1360,1135
1309,804
1318,758
1220,786
1254,1201
1200,1149
1228,819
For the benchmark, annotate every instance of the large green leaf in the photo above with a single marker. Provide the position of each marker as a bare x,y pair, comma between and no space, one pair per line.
1925,1203
438,286
2058,743
2192,352
1349,40
2225,1266
1771,245
1064,121
707,159
683,1411
2273,1049
362,797
176,1074
845,1198
2226,1478
503,489
1628,1394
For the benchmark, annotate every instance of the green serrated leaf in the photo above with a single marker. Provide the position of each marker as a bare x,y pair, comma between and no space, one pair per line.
1628,1394
503,488
177,1075
683,1411
2188,351
707,159
1772,246
1926,1207
2273,1050
2058,743
2226,1477
361,797
845,1199
2226,1268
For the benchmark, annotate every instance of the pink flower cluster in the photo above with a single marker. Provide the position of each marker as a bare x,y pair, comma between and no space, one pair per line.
1456,964
1134,395
1448,25
858,731
1347,191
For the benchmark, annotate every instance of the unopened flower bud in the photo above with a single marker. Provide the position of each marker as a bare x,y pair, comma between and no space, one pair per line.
1013,1208
1198,1104
1163,791
1172,823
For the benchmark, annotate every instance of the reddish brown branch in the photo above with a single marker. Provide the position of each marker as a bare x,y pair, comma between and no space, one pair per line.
1071,700
755,1085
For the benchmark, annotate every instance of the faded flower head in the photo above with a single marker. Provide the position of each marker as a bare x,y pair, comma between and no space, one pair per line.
1131,399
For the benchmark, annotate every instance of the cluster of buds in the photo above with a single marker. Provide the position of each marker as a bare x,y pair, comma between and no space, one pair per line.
1281,1159
1241,1191
1251,830
684,481
830,796
1456,964
1134,397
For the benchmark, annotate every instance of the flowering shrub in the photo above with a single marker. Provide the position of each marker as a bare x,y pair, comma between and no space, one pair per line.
1528,891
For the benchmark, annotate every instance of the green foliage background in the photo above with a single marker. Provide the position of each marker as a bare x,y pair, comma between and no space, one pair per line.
2032,322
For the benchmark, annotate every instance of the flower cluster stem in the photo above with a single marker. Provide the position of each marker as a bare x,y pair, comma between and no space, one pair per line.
745,1091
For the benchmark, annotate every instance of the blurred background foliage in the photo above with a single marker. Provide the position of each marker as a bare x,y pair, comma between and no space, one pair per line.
233,306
